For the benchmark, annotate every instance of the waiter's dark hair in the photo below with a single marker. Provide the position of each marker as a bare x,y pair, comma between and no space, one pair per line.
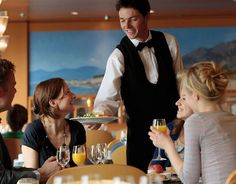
142,6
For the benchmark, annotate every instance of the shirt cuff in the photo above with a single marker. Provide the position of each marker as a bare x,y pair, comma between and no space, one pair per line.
37,173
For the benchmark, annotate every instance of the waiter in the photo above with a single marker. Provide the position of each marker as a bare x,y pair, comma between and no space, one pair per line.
142,70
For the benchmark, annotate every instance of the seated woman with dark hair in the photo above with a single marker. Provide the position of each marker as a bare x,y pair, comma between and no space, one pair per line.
176,128
53,100
176,133
17,117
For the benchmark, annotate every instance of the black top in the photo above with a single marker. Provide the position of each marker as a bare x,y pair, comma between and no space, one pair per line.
36,138
154,100
8,175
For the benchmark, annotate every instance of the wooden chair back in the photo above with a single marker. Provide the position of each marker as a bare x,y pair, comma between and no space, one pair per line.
97,136
105,171
112,143
118,156
231,178
13,146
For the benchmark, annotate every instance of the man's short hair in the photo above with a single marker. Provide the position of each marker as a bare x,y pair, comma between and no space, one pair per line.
142,6
6,67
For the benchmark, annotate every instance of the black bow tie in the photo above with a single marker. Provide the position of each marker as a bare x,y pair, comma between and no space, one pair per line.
141,45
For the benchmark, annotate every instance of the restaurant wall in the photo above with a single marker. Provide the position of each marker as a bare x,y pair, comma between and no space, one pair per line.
17,52
80,56
113,24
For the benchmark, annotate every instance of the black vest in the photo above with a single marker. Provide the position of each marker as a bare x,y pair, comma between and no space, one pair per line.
143,100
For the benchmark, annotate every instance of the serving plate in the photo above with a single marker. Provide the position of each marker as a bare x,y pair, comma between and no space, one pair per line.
94,120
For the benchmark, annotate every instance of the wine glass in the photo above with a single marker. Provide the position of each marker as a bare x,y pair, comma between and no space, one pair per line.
79,155
102,152
92,154
123,137
98,153
66,179
63,155
90,178
27,181
160,124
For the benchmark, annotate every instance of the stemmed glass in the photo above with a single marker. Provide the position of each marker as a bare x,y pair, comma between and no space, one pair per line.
66,179
79,155
123,137
92,154
27,181
102,152
123,179
98,153
160,124
63,155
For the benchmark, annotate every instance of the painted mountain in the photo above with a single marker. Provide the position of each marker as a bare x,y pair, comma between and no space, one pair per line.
224,53
87,79
84,80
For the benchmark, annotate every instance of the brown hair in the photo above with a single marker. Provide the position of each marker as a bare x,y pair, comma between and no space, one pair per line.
142,6
178,126
45,91
17,116
6,67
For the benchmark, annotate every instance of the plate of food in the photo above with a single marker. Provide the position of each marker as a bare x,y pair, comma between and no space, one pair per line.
154,177
169,177
91,118
165,177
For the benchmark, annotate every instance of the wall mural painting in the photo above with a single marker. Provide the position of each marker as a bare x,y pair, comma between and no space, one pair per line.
80,56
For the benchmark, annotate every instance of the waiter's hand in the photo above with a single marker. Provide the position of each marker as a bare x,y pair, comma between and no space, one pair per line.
96,126
92,126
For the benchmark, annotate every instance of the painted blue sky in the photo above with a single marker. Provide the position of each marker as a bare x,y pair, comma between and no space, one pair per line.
51,51
192,38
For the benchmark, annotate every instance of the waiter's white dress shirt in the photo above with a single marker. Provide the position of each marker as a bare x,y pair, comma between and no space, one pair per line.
108,96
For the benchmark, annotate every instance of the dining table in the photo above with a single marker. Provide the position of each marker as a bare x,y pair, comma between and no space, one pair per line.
166,178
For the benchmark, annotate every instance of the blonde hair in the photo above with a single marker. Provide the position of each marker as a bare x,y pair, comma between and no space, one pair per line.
206,78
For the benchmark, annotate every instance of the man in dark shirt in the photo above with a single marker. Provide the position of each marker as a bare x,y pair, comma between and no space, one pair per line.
8,175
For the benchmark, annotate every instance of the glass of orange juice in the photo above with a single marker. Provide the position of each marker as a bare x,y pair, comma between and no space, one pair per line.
79,155
160,124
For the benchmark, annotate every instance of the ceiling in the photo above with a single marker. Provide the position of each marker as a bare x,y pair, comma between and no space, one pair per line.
59,10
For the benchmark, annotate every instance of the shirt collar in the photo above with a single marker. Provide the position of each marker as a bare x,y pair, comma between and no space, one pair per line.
136,42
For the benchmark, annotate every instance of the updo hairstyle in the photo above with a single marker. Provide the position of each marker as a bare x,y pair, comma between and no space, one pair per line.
206,78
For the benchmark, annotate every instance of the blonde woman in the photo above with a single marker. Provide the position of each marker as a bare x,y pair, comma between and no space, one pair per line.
209,133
